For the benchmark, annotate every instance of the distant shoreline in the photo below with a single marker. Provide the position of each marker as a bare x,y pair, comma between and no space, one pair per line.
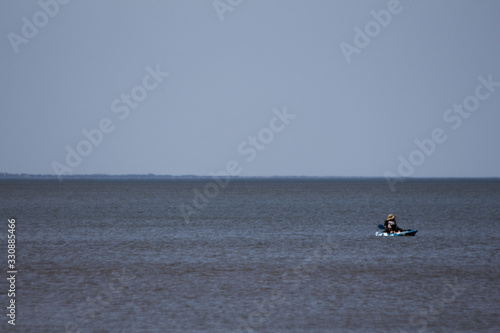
7,176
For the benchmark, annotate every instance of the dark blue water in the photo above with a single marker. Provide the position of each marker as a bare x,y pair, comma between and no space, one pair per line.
258,255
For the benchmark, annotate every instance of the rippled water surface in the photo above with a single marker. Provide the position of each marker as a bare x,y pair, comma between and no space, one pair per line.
262,255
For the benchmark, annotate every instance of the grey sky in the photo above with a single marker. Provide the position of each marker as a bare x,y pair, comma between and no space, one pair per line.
225,78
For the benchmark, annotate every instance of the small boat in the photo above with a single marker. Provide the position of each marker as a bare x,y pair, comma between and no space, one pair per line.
401,233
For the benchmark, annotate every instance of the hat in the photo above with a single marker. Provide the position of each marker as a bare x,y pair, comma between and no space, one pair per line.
391,217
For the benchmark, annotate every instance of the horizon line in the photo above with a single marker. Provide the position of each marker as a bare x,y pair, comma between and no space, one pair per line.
5,175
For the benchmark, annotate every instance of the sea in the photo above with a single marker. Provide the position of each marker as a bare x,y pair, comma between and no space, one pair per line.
250,255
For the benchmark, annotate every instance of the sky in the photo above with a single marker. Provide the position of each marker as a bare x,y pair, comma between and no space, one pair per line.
250,88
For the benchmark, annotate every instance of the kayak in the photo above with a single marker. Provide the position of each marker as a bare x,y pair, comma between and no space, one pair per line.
401,233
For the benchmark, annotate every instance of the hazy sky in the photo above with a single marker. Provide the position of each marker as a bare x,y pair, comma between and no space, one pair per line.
314,88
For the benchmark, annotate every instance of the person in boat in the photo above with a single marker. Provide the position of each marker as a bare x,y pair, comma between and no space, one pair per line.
390,224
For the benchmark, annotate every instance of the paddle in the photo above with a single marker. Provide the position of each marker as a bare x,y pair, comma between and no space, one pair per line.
380,226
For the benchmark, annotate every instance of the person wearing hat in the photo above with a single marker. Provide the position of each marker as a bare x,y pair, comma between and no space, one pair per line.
390,224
